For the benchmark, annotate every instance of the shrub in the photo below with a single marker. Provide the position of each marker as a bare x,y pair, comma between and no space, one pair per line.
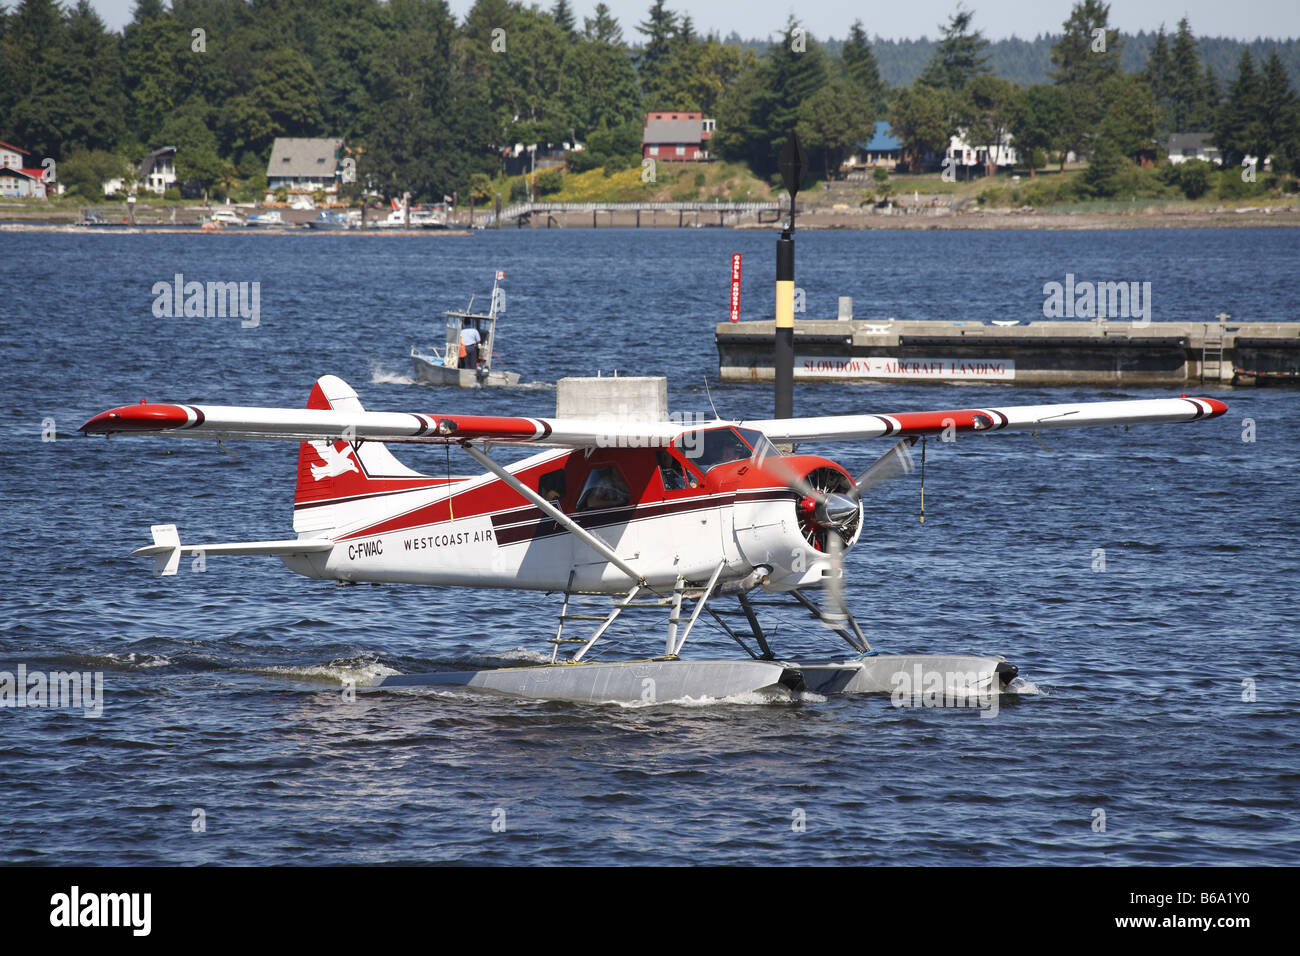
518,190
580,162
550,181
172,194
1194,178
1231,185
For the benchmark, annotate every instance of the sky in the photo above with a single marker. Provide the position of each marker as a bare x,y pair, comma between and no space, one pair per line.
1240,19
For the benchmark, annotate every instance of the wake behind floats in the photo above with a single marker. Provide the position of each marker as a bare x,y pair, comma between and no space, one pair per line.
639,514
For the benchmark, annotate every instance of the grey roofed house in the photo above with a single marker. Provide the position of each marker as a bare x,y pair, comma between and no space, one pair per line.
661,132
1185,146
303,163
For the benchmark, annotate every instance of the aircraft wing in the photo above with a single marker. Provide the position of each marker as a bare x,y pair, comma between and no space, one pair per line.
311,424
1019,418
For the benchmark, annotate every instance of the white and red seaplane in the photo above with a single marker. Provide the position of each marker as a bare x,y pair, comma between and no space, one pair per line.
673,515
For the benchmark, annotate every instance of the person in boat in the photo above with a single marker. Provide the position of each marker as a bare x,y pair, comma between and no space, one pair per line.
469,340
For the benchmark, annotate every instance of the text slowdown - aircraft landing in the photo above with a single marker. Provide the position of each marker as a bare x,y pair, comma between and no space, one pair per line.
640,512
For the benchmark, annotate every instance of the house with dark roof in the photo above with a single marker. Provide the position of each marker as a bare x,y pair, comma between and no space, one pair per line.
1185,146
677,136
157,172
304,165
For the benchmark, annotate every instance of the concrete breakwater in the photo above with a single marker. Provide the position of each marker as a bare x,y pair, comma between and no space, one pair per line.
1033,353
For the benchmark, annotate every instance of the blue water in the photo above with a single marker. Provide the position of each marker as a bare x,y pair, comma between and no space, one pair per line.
221,689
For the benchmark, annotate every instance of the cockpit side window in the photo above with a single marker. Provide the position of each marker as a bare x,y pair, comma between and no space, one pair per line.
673,475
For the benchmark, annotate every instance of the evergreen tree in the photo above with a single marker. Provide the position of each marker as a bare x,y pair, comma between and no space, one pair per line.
1080,57
959,56
1086,56
603,28
90,75
1101,178
660,31
1159,76
860,65
562,14
796,69
1280,116
1239,127
1186,88
599,88
39,111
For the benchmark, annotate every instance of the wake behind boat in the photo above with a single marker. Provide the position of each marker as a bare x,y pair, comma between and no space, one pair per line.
465,358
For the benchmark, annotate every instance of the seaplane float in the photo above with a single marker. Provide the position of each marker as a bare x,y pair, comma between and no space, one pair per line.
678,519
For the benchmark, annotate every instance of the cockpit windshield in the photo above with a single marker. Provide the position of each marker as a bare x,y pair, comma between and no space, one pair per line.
763,448
716,446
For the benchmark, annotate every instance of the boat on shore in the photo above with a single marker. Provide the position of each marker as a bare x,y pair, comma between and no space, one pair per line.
270,218
443,366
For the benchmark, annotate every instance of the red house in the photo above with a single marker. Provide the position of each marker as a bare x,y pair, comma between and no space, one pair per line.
677,136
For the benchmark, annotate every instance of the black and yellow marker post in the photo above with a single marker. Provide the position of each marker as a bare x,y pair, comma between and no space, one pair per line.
793,163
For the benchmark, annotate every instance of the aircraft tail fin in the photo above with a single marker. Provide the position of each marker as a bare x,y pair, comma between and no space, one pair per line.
343,482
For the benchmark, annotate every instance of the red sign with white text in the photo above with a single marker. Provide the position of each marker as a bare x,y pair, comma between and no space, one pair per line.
735,287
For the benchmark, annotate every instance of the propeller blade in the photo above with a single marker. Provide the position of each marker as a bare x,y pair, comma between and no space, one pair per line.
786,473
834,611
892,464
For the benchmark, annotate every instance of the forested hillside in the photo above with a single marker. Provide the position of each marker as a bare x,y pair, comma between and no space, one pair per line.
427,103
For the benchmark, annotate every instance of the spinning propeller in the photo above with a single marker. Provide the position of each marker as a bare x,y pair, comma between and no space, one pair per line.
830,512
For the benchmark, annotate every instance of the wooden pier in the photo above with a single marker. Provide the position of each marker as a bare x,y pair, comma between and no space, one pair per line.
1031,353
597,215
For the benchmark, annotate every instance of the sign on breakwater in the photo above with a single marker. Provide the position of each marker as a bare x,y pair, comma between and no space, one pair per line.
1096,352
874,366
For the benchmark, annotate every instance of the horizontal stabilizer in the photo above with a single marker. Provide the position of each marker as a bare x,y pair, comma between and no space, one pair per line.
167,549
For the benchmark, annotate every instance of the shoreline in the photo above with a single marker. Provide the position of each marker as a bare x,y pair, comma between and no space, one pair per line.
1272,216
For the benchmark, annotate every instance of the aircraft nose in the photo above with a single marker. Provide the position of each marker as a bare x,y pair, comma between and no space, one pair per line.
837,510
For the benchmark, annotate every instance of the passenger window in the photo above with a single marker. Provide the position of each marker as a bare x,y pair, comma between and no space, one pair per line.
551,485
605,488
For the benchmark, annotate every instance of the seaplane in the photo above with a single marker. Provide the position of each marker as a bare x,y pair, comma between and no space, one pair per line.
675,517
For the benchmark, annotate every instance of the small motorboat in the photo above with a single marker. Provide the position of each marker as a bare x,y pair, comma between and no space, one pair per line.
444,366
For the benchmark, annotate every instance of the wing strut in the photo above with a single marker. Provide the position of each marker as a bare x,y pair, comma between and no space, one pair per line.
600,547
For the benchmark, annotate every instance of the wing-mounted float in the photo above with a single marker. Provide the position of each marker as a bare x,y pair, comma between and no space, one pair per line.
652,512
